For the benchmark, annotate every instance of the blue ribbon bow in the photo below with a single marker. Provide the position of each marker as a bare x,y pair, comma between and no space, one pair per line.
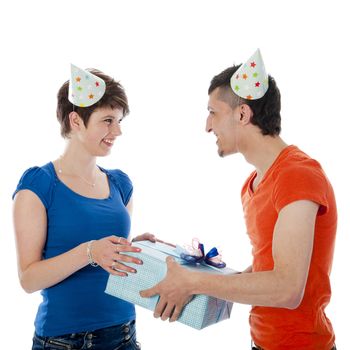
198,256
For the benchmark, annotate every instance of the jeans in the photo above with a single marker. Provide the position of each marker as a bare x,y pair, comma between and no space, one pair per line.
121,337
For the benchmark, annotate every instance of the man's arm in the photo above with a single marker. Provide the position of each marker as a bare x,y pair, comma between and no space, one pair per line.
281,287
248,269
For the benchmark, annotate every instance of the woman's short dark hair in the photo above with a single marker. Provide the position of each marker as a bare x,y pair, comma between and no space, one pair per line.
114,97
266,110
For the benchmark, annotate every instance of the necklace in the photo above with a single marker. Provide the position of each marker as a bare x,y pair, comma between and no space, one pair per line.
92,184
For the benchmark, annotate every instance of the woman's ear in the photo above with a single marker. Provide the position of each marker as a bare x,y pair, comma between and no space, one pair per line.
75,121
246,114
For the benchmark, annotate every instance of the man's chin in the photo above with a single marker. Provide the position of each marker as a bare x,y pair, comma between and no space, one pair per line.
221,153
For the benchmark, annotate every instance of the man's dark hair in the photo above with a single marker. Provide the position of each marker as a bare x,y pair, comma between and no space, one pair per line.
266,110
114,97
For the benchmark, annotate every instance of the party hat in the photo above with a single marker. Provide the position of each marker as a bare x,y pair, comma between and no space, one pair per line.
85,88
250,81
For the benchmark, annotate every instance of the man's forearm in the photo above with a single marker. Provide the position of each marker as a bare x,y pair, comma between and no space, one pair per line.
266,288
248,269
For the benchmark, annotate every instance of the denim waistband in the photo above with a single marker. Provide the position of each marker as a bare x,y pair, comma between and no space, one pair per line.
95,332
118,334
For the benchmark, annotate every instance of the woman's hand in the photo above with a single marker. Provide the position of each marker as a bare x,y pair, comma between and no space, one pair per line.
150,237
109,253
146,237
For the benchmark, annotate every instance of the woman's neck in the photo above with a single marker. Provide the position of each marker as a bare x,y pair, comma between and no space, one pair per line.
77,161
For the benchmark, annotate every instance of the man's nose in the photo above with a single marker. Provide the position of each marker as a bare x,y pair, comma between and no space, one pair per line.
208,126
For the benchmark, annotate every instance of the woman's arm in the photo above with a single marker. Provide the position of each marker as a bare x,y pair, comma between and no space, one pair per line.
30,224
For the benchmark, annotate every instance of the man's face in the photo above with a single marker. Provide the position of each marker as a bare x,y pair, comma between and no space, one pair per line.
222,121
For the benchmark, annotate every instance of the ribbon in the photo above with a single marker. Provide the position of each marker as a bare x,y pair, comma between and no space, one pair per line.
195,255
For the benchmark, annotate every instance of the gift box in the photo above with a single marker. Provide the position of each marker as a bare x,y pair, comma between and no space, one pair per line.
200,312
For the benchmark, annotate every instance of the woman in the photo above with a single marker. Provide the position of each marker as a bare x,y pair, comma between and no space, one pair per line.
72,221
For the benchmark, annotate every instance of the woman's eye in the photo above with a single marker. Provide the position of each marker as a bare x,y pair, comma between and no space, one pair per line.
109,121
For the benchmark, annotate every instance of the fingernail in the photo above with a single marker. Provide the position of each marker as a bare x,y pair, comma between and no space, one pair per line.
140,262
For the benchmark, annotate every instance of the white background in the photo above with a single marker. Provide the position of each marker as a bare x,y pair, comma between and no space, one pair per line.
165,54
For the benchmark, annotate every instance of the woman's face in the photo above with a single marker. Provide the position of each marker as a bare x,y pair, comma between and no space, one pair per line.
101,132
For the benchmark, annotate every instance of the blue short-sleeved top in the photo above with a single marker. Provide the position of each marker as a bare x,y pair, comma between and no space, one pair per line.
79,303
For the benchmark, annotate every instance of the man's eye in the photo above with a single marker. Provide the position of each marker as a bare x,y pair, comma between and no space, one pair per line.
109,121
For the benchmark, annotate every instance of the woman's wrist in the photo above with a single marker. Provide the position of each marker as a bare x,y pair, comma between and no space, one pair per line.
89,253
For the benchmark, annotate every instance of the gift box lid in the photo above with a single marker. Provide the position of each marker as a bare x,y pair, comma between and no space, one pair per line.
161,251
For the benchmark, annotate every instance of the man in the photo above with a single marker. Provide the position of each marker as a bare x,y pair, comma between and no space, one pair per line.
291,219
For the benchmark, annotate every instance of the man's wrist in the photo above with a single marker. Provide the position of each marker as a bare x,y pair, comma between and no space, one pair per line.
196,282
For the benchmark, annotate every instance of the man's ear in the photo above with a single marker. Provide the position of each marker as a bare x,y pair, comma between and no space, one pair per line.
75,121
246,114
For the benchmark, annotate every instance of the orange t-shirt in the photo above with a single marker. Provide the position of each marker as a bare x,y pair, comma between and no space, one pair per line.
293,176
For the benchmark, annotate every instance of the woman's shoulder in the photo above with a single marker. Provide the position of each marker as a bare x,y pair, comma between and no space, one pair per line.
118,175
122,182
38,173
38,179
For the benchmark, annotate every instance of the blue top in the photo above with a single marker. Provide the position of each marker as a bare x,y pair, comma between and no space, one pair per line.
79,303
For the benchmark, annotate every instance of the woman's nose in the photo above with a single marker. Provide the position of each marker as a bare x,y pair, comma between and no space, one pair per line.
115,129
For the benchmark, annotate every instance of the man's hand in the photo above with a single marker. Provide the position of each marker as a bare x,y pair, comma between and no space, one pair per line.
174,291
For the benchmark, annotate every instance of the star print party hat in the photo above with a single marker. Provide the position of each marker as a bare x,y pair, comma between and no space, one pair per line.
85,88
251,81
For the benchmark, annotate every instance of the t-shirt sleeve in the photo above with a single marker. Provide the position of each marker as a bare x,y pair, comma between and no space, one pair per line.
300,183
123,183
38,181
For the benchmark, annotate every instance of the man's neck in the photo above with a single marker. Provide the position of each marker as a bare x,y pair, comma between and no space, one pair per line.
262,151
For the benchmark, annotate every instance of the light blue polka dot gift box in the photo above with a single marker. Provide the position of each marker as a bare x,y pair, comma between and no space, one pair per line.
200,312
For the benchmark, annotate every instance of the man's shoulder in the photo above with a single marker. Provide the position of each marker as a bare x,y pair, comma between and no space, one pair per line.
297,163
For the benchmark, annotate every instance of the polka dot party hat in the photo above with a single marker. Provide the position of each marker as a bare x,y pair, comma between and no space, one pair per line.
85,88
250,81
